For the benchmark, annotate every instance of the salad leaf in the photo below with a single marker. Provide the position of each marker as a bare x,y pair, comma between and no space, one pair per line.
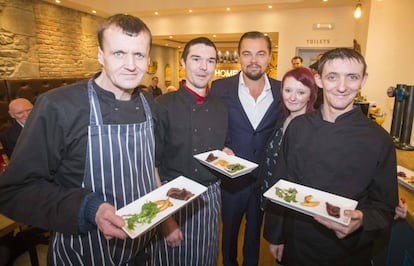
148,211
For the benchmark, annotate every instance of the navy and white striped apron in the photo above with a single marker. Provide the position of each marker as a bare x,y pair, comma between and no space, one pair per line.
199,222
120,167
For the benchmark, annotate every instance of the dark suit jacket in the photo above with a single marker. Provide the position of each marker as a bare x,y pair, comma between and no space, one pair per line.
9,137
247,142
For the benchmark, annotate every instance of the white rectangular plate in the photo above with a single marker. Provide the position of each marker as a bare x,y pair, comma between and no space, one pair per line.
160,194
318,195
402,181
249,166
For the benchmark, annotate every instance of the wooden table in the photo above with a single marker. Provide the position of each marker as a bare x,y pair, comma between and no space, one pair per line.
406,160
7,225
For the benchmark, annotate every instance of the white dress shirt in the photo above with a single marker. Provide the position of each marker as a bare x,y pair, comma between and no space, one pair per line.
255,109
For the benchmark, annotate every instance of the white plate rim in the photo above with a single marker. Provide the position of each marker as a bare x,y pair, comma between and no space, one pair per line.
194,187
319,195
401,180
250,166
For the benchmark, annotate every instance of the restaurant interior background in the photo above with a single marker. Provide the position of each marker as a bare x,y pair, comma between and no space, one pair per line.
44,39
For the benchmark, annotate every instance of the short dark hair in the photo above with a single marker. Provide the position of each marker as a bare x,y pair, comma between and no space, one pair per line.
341,53
255,35
306,77
199,40
130,25
297,57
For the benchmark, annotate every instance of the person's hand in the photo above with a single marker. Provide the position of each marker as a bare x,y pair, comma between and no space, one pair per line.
340,230
109,223
228,151
401,209
172,232
276,251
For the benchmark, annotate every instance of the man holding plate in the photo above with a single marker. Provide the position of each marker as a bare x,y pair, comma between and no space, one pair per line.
339,150
191,121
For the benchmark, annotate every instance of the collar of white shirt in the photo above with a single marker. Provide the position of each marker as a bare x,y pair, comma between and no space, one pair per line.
255,109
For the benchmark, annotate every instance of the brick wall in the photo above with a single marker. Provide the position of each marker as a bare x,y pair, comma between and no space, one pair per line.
42,40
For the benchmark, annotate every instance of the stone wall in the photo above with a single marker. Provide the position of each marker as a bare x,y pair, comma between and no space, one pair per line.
42,40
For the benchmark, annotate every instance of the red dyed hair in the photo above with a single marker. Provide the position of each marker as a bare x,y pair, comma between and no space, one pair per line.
306,77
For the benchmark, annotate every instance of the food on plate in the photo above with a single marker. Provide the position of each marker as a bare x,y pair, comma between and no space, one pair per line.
232,168
163,204
333,210
221,162
307,201
287,194
401,174
148,211
180,194
409,179
211,157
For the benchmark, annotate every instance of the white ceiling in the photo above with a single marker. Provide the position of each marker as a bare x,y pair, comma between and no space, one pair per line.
142,8
147,8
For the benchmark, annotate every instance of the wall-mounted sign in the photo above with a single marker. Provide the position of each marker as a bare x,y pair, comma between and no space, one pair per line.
318,41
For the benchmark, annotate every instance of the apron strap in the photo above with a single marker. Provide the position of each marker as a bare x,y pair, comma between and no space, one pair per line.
95,115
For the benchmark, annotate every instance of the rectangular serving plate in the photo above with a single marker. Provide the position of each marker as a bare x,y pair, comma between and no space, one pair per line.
409,185
249,166
317,195
160,194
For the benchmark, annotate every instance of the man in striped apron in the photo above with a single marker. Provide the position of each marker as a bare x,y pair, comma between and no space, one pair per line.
94,153
191,121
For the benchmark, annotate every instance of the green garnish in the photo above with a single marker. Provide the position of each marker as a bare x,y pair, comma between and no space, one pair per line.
148,211
287,194
232,168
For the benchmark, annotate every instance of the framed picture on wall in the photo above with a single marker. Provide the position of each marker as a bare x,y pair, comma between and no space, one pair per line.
152,68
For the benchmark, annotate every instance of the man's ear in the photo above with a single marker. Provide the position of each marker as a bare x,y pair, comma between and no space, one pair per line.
183,62
364,80
318,80
100,56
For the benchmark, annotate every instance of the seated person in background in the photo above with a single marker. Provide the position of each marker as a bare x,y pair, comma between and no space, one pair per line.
19,110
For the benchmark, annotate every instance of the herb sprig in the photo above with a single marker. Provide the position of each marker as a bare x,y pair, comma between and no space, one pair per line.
148,211
287,194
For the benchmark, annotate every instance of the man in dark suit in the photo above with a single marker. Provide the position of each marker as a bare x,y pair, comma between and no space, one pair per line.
253,101
156,91
19,109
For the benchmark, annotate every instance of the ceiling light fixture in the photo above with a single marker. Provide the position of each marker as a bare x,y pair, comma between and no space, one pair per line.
269,6
57,1
358,10
228,9
190,11
156,13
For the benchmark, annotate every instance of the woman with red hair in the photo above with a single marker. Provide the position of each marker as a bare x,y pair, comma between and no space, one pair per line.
299,92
